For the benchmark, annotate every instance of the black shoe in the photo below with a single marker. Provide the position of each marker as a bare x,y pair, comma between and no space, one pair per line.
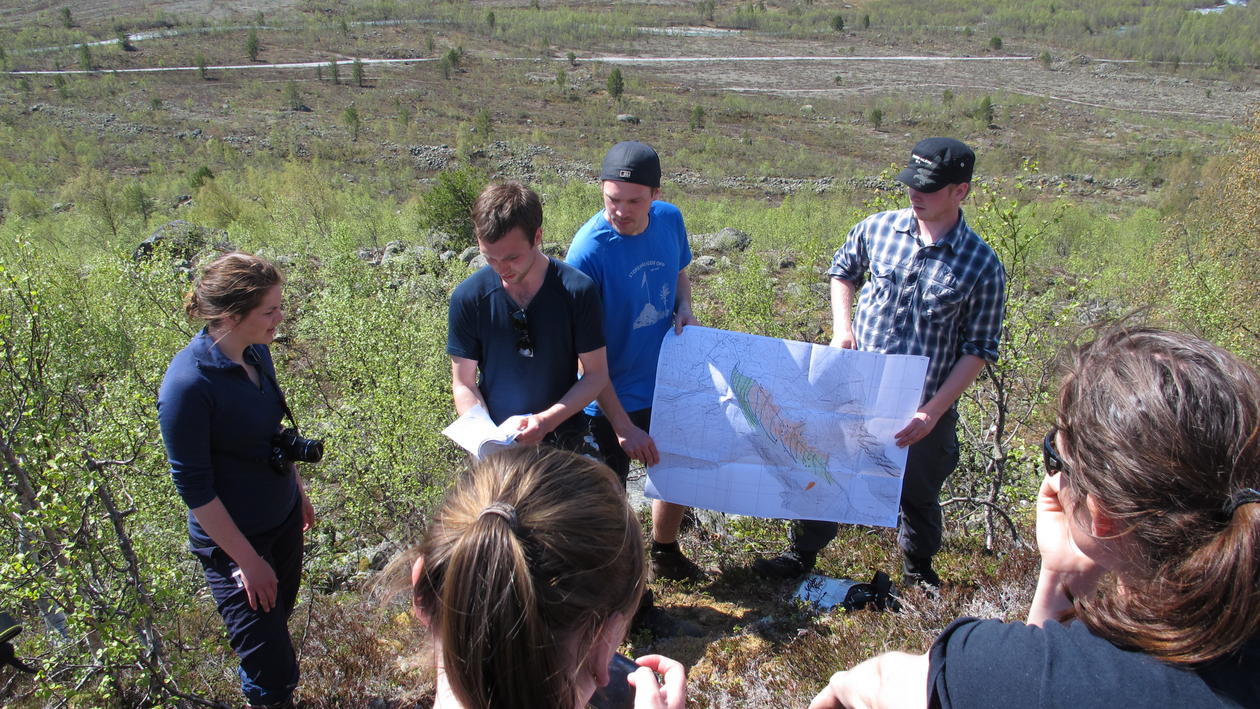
663,625
673,565
917,571
789,564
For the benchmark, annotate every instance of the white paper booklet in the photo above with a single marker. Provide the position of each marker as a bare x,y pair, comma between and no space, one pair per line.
476,433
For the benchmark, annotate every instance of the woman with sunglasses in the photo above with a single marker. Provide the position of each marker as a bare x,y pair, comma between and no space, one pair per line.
1148,523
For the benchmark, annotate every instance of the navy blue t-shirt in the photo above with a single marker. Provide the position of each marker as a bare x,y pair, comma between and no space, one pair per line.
563,319
988,663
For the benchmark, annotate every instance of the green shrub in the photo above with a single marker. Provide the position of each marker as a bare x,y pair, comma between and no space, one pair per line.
200,176
616,85
252,45
292,96
448,204
356,72
697,117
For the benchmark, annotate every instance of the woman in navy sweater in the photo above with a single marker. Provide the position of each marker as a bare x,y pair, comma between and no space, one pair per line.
219,408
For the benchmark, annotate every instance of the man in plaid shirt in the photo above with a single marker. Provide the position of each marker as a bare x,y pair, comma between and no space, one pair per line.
935,289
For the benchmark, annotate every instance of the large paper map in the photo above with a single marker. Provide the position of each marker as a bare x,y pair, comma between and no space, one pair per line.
776,428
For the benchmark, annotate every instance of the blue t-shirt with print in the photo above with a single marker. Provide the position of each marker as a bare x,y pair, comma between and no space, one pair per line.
637,278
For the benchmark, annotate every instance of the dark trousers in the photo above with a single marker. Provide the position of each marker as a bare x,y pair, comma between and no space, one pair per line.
920,522
614,457
574,435
269,669
609,449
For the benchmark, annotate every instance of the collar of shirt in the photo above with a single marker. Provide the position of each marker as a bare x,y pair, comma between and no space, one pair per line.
209,356
908,224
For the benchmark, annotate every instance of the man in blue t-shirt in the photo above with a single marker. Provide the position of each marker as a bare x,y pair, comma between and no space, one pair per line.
636,251
520,326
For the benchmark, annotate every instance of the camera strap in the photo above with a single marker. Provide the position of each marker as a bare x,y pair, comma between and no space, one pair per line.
283,401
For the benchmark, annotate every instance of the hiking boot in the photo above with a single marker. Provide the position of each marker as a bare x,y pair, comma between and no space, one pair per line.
917,571
673,565
790,564
663,625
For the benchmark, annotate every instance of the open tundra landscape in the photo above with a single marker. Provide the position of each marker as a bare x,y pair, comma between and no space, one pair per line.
1117,178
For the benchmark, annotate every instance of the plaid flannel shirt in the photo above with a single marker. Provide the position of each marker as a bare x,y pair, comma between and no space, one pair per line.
943,300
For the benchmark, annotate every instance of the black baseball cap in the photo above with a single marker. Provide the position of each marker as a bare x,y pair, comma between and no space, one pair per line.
937,162
632,161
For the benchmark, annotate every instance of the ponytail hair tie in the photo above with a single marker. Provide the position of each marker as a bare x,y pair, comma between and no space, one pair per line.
507,512
1242,497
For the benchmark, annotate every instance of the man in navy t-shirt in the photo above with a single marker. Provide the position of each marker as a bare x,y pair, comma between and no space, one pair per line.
520,326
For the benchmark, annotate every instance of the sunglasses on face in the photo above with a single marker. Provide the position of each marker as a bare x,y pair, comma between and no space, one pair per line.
520,323
1054,462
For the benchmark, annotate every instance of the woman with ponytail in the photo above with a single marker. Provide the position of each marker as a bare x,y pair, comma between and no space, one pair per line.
527,578
1148,522
219,408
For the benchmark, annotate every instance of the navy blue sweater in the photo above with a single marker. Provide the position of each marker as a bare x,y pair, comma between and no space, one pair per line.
218,427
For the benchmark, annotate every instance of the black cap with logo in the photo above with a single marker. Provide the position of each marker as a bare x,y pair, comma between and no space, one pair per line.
937,162
632,161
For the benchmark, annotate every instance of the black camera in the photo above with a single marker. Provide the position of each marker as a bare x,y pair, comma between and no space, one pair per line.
289,446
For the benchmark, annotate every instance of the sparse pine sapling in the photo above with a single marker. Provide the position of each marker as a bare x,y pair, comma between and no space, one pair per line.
482,125
697,117
136,199
984,111
334,71
67,21
876,117
292,96
356,72
200,176
1045,60
562,78
251,45
200,61
351,118
616,84
85,58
